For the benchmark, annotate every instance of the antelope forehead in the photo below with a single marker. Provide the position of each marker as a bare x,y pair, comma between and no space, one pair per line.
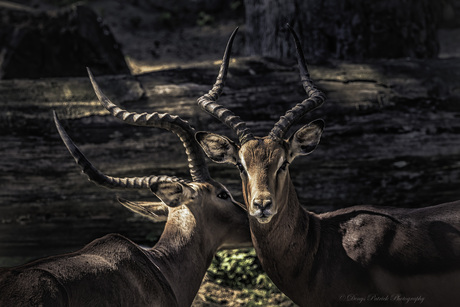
266,159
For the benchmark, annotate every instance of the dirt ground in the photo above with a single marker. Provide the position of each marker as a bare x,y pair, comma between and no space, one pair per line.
154,37
212,294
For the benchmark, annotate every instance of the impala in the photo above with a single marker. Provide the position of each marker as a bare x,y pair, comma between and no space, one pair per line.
202,217
363,254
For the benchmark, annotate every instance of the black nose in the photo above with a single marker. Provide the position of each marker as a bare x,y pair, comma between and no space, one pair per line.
263,204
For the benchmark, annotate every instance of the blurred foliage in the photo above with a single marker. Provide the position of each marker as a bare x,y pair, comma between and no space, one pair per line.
255,297
204,19
240,269
236,5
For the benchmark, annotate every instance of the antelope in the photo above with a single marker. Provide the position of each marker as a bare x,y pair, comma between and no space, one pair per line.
202,217
360,254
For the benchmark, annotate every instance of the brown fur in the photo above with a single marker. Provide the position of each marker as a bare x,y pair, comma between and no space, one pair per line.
113,271
367,255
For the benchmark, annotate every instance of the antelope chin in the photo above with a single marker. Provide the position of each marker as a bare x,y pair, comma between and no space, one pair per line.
263,217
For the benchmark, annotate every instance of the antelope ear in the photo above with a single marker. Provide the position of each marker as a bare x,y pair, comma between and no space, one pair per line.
218,148
173,194
305,140
156,211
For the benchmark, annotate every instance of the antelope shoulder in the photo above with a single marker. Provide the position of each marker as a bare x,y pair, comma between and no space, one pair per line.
406,240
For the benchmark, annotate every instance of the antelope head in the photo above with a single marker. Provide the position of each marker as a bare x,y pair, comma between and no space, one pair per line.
263,161
187,201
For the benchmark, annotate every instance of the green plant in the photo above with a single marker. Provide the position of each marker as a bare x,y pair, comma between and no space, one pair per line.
240,269
255,297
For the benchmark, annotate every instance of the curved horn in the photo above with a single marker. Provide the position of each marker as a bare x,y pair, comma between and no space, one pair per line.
196,158
208,102
96,176
314,100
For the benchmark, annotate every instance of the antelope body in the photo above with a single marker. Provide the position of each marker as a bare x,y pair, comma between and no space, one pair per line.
202,217
365,254
109,271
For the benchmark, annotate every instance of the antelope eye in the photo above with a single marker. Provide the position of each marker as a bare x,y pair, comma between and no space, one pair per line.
223,195
284,165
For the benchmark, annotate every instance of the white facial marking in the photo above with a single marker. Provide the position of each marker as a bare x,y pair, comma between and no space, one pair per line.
280,162
243,162
265,220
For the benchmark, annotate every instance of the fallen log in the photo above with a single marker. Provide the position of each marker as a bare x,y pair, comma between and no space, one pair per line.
392,138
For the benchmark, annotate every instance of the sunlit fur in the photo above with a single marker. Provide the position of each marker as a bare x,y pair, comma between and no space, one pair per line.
361,252
327,259
358,256
262,178
215,212
195,231
114,271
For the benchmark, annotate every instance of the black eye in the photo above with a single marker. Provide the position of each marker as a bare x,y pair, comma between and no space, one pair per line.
240,167
284,165
223,195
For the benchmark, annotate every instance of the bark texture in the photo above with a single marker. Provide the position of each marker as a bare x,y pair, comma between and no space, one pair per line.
351,29
392,137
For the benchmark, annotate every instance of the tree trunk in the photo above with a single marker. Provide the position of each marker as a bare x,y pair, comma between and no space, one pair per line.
349,30
61,43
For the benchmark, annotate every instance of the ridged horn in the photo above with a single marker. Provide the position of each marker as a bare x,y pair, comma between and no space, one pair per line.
196,158
98,177
208,102
315,96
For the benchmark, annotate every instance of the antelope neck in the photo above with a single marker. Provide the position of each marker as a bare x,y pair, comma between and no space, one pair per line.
287,245
183,256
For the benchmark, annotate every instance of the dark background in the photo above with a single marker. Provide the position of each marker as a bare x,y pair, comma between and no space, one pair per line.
391,73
